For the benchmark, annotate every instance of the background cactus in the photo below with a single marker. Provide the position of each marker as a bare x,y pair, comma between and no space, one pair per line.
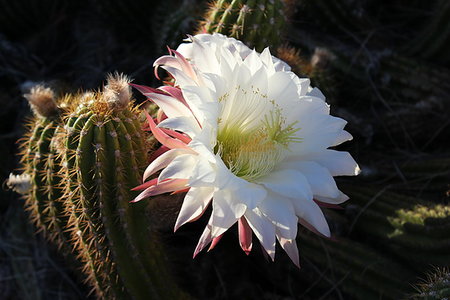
259,24
437,286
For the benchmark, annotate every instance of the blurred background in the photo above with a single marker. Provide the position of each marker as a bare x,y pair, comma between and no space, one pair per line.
384,66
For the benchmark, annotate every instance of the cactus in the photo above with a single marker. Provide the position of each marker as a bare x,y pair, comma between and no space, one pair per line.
40,165
84,153
434,40
436,287
360,270
413,230
259,24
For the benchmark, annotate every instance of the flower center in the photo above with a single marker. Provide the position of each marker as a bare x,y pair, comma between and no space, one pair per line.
252,144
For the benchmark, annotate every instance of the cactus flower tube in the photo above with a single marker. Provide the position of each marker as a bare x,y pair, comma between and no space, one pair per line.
242,133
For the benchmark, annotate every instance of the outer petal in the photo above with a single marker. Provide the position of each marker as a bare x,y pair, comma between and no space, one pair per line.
290,246
318,177
336,200
171,106
204,240
180,168
263,229
245,235
194,205
226,211
309,211
186,125
281,213
163,161
337,162
161,188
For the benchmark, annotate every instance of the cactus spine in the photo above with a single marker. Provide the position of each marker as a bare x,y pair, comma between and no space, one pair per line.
259,24
83,159
437,287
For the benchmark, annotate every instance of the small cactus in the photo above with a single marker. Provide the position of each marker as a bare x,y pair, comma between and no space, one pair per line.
436,287
83,154
259,24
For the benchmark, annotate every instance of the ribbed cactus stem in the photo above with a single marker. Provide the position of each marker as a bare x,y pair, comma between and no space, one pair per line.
405,223
82,163
259,24
363,270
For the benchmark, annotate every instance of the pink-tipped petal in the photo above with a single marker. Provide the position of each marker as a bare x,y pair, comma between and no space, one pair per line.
204,240
146,185
171,106
146,89
177,135
160,116
214,242
158,152
245,235
174,92
310,227
162,137
186,66
161,188
163,161
327,205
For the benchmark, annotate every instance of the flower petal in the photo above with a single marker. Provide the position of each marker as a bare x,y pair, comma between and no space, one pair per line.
245,235
281,213
186,125
161,188
290,246
162,137
337,162
179,168
194,205
288,183
318,177
263,229
309,211
163,161
226,211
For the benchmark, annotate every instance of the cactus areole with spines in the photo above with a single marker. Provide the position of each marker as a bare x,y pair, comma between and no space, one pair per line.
258,24
81,157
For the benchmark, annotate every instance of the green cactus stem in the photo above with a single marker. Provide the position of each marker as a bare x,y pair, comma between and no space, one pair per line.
412,229
41,164
360,270
83,160
259,24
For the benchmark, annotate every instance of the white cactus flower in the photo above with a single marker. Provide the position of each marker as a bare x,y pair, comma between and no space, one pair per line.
244,134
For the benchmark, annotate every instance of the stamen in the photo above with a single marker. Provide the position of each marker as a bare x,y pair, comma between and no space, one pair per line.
253,136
